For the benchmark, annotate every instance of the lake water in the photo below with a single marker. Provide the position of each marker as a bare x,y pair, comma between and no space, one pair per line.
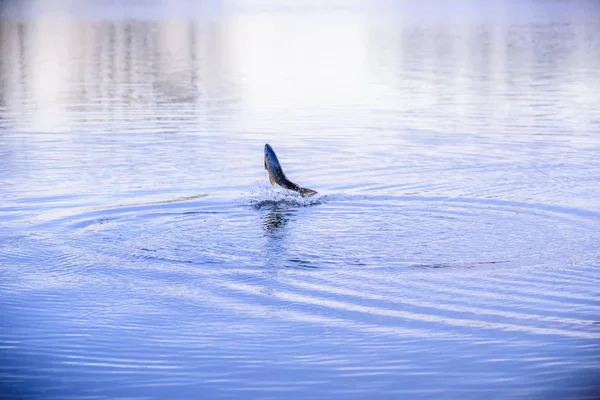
453,249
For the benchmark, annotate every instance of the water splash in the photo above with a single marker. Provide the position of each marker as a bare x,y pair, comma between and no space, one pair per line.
261,196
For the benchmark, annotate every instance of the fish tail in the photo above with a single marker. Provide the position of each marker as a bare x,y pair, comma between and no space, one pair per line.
304,192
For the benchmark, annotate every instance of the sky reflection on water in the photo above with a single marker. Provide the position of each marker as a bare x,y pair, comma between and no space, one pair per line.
452,250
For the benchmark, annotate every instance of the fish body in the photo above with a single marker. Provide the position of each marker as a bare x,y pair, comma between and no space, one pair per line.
276,175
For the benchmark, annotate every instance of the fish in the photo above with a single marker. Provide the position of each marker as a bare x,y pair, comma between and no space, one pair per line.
276,175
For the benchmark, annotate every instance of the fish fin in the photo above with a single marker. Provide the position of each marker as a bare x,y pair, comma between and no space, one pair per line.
271,180
307,192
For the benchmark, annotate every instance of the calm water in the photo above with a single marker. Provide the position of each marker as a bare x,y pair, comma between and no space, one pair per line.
453,250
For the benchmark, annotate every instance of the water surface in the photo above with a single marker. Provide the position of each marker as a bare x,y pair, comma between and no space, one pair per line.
452,251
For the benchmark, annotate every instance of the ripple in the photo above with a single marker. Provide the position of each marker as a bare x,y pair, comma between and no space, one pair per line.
213,235
370,272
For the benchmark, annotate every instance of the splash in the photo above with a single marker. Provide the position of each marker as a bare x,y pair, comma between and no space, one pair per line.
264,196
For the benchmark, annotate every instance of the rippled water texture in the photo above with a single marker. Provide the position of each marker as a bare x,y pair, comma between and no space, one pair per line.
452,251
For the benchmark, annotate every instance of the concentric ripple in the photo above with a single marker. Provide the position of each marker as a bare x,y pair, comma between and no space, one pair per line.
404,273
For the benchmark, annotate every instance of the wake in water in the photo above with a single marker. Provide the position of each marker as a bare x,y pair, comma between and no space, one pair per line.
263,196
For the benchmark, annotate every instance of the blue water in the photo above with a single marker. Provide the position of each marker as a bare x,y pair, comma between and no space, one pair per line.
452,251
